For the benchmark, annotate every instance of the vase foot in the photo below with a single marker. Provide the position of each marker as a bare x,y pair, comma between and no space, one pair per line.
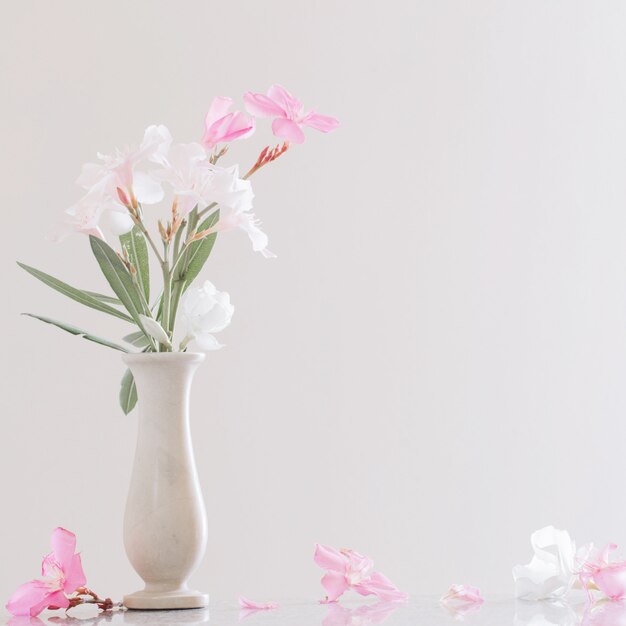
182,599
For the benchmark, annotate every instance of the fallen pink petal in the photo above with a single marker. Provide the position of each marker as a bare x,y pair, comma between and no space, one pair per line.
462,594
244,603
62,573
347,569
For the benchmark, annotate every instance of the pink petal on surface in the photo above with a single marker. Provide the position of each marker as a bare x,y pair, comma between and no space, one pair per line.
611,580
261,106
74,576
63,547
33,597
463,594
287,129
335,585
330,559
244,603
380,586
323,123
287,102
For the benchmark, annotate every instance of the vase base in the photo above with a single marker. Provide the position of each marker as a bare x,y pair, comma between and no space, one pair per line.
160,600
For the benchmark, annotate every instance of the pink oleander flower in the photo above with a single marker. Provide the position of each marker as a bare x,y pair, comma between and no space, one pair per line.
288,113
222,126
347,569
62,573
596,568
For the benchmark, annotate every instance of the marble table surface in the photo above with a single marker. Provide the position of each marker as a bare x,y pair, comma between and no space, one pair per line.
417,612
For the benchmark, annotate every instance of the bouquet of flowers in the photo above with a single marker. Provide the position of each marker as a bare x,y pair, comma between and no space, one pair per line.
203,199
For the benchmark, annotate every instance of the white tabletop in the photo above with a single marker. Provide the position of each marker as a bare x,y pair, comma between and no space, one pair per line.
416,612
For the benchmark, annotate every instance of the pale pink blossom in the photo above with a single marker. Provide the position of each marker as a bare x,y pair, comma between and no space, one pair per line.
596,568
223,126
93,210
288,113
117,169
62,573
347,569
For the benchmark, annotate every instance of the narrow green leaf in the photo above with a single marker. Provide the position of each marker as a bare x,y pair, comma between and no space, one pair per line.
137,339
118,277
128,392
103,298
78,332
137,248
84,297
199,251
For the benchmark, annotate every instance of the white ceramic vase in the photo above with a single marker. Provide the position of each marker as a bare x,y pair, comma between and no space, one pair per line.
165,527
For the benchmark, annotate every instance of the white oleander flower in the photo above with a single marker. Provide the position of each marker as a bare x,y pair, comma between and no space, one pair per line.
204,311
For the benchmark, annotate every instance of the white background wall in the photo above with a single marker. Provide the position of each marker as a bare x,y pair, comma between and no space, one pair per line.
432,368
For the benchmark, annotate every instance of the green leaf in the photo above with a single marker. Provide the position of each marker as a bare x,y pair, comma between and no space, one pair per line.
137,339
78,332
199,251
84,297
137,248
103,298
128,392
118,277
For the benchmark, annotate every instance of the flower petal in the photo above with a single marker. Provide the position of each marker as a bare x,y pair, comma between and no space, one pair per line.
611,580
33,597
380,586
218,109
324,123
261,106
74,576
285,100
287,129
147,190
63,544
207,341
244,603
335,585
329,558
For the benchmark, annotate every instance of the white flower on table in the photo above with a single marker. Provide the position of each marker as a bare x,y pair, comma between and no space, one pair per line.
552,570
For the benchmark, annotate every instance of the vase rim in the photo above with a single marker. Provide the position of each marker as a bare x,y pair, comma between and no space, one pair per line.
163,357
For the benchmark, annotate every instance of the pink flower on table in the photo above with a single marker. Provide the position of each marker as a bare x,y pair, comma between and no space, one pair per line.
609,578
347,569
462,599
463,594
288,113
222,126
62,573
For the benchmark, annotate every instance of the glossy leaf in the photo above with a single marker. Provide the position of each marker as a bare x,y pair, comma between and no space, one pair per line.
137,248
199,251
128,392
118,277
78,332
137,339
84,297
